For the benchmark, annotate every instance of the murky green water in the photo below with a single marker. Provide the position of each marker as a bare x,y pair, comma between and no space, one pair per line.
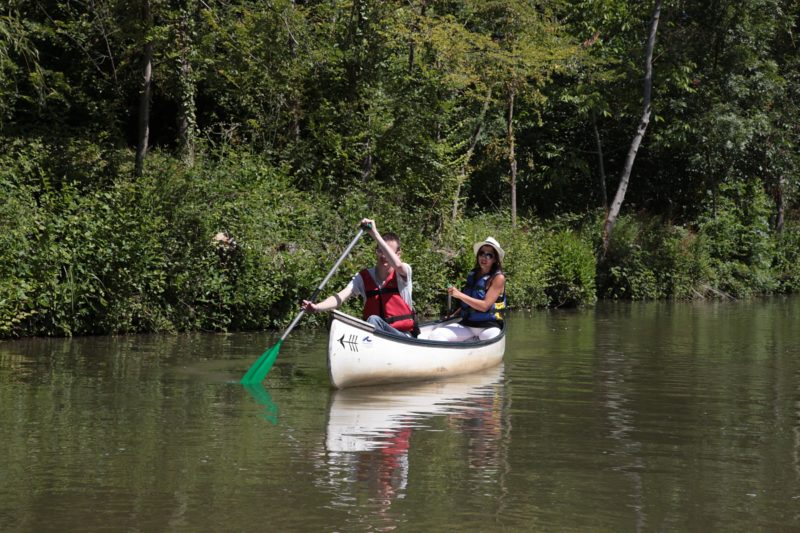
627,417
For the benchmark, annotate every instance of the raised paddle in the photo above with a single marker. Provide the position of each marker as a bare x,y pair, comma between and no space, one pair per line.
258,371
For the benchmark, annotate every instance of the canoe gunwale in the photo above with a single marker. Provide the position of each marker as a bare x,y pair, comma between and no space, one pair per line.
411,341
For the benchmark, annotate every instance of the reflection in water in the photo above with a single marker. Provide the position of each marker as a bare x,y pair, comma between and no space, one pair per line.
626,417
370,433
795,425
614,371
260,395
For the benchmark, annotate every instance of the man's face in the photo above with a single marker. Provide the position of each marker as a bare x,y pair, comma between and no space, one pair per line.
382,258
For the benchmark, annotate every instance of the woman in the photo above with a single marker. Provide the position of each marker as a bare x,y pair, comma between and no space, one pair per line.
483,298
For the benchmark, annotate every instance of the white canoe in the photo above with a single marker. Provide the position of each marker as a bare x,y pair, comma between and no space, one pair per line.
359,355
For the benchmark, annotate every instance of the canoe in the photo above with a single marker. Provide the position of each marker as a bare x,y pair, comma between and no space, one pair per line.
358,355
363,418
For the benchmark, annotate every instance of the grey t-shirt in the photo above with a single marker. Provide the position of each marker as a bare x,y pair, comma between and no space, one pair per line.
403,285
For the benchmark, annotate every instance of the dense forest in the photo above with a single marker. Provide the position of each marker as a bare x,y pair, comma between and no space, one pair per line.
174,165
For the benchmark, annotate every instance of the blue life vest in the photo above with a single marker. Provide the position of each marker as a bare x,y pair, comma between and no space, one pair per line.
476,288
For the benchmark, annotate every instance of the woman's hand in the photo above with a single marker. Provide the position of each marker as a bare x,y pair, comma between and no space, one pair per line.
455,293
308,306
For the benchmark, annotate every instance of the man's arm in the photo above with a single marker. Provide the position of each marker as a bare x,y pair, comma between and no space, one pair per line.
329,303
388,253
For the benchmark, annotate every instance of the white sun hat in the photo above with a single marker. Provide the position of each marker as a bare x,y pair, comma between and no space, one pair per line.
491,241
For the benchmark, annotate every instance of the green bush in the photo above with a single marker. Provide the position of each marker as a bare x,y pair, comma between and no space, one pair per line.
731,253
685,264
17,218
570,274
649,260
786,265
85,254
738,241
138,255
625,271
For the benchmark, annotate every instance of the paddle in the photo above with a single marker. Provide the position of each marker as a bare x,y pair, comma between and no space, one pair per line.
258,371
449,301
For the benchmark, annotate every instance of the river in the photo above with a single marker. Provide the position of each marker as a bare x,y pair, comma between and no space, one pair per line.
622,417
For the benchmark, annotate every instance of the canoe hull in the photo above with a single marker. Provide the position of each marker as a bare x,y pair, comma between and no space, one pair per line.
358,355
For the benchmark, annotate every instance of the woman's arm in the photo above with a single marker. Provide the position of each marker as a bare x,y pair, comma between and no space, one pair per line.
496,287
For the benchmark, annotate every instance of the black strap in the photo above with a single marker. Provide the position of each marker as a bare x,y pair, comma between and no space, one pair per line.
375,292
401,317
415,328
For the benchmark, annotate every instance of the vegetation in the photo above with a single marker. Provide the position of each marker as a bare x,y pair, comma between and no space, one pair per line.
135,131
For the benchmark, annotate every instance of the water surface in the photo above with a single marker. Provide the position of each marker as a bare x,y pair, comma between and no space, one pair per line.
625,417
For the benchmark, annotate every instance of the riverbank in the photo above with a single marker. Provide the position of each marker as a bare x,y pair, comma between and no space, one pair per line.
145,254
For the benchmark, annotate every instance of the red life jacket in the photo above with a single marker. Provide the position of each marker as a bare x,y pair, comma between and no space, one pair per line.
386,302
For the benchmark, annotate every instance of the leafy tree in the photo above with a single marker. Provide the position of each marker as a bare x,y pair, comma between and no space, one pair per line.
19,62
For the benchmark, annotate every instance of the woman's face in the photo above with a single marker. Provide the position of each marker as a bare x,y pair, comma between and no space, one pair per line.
486,257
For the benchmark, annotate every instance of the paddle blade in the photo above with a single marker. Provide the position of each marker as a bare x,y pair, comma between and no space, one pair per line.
259,370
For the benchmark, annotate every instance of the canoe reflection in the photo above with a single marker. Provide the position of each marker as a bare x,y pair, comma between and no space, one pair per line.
364,418
370,429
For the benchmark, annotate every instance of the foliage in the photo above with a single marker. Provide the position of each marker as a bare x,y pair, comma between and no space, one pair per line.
650,260
729,254
739,244
17,217
139,256
624,271
786,265
570,270
306,116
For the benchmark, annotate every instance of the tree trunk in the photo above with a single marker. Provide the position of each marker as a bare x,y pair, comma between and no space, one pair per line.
415,28
462,178
512,158
146,94
613,212
366,167
780,204
476,133
600,165
296,100
187,110
354,48
186,114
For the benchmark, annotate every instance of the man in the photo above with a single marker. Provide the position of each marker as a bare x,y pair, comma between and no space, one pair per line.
385,288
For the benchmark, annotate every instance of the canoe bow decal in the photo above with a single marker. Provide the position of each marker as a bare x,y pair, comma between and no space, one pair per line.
352,342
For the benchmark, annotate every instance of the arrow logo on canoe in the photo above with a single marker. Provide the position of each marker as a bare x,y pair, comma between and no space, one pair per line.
351,342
